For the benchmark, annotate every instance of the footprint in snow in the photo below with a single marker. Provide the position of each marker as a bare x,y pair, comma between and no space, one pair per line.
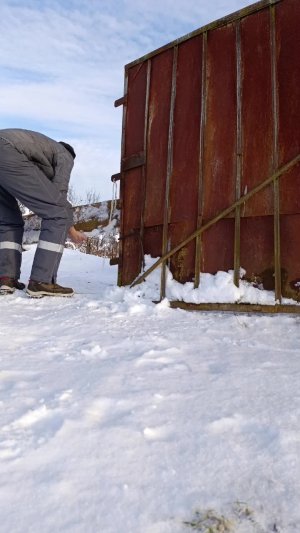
261,436
164,360
11,380
157,433
94,351
65,396
226,423
107,411
33,429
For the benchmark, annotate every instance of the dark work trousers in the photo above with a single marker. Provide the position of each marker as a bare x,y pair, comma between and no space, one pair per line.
23,180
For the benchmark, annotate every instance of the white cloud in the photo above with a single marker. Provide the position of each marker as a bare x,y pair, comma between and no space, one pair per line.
61,67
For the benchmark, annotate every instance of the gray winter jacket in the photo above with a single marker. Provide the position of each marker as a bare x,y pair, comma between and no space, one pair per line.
49,155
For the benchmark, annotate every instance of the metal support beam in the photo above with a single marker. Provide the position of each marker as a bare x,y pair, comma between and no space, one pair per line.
144,168
168,175
239,148
276,185
122,185
198,254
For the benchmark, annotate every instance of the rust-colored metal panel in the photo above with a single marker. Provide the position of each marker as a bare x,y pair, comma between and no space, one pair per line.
135,110
182,264
153,240
257,249
219,166
220,131
184,180
131,179
209,118
257,112
288,69
257,253
157,140
186,144
218,244
290,255
130,235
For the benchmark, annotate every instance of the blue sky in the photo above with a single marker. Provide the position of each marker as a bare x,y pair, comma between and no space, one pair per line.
62,65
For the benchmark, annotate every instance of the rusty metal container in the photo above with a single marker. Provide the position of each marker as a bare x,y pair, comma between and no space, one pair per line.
206,119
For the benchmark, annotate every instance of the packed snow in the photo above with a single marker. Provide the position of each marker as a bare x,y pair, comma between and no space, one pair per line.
220,288
119,415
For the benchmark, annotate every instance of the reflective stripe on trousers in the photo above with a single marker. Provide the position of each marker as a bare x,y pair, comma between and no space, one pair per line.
8,245
51,246
10,259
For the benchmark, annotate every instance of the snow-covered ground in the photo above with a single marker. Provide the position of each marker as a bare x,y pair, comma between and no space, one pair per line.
123,416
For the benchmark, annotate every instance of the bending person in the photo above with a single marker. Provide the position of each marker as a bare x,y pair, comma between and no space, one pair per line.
35,170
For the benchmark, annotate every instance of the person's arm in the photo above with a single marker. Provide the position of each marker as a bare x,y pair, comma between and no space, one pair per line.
77,236
63,164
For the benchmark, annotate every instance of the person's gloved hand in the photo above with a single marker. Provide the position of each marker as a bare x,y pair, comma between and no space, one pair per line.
78,237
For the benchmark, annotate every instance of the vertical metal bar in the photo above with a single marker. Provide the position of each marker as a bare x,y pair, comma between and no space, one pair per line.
144,168
169,172
276,185
198,255
122,183
239,148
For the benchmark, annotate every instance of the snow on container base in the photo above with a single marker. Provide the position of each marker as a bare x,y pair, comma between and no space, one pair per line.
206,119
